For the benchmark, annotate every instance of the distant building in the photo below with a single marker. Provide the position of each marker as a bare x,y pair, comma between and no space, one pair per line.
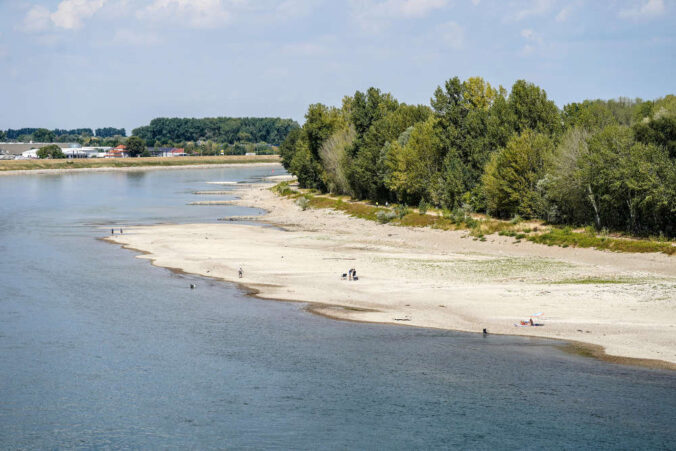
118,152
30,153
19,148
166,152
180,152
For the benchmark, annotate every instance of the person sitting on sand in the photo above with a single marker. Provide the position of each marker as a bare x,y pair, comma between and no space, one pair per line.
531,322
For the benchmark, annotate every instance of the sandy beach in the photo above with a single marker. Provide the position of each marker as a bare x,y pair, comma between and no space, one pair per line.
620,303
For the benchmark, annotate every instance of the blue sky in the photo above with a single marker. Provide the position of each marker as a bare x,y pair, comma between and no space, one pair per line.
96,63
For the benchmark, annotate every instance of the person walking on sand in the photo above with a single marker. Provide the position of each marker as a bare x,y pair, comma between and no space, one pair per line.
240,272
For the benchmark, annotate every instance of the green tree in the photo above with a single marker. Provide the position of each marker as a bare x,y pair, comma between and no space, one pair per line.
42,135
333,159
50,151
367,170
532,110
305,167
660,132
629,185
135,146
590,115
288,147
511,178
415,167
566,191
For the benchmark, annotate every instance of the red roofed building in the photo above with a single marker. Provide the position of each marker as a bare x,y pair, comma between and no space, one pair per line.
176,152
118,152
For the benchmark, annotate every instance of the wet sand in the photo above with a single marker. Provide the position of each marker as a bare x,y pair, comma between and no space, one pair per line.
433,278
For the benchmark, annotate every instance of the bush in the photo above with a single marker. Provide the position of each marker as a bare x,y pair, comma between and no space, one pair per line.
283,189
401,210
51,151
385,216
303,202
423,207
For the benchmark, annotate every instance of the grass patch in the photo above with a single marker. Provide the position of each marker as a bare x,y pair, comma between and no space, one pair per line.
566,237
283,189
593,281
418,220
79,163
355,209
479,227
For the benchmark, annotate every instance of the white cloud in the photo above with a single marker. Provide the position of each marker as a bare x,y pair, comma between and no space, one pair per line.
536,8
136,38
70,13
649,9
376,15
37,19
452,35
475,2
191,13
533,42
294,8
563,15
531,35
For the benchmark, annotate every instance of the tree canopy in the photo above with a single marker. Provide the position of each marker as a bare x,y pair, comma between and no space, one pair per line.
219,129
604,163
50,151
135,146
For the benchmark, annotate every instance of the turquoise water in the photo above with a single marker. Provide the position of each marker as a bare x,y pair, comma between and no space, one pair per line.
102,350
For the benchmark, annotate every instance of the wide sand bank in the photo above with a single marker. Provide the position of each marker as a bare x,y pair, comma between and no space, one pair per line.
623,303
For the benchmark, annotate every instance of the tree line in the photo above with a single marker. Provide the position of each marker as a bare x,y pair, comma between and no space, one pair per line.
223,130
60,135
610,164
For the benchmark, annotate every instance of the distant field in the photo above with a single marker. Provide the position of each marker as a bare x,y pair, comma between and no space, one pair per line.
19,165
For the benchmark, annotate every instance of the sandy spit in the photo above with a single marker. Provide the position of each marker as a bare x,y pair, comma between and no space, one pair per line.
433,278
134,168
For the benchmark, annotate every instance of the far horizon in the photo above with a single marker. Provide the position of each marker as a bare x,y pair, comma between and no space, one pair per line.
115,63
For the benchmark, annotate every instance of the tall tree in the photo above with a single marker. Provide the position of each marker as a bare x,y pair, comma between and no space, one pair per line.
532,110
135,146
42,135
415,167
367,169
512,175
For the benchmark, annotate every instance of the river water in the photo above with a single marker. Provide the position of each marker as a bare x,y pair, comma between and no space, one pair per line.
99,349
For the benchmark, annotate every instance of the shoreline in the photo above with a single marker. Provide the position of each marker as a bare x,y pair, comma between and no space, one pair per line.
470,303
134,168
581,348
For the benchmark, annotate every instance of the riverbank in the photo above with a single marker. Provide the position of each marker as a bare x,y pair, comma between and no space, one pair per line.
46,166
622,303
